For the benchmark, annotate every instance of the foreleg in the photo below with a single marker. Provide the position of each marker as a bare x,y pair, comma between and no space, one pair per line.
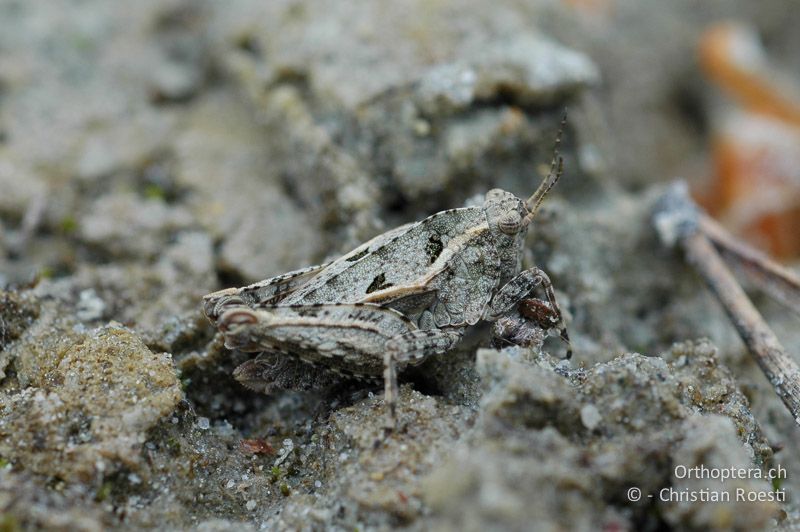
516,292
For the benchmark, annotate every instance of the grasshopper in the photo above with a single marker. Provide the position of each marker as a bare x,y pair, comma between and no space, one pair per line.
401,297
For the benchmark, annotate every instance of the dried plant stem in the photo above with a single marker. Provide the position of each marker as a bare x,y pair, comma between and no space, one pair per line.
781,370
778,281
679,221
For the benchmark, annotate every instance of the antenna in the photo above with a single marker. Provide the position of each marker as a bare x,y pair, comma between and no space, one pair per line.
556,169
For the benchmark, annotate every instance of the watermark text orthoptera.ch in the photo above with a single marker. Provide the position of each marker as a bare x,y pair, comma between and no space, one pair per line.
729,473
720,493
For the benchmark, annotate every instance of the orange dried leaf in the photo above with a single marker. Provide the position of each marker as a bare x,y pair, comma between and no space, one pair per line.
731,56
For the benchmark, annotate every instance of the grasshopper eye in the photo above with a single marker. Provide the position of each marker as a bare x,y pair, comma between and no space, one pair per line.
510,223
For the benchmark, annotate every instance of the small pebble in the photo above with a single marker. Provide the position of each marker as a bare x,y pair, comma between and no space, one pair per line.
590,417
203,423
251,505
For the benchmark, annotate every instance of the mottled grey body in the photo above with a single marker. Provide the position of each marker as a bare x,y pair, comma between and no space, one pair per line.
405,295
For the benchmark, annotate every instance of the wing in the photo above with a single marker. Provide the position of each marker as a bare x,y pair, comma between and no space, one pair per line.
410,300
399,258
266,292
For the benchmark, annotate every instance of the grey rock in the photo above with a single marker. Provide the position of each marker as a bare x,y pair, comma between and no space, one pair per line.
127,225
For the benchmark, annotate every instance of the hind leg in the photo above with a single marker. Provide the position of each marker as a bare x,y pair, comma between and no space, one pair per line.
411,347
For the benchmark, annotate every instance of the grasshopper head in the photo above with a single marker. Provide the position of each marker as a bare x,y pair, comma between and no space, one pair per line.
504,211
510,215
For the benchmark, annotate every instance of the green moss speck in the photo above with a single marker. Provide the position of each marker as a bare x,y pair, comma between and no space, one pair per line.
173,445
104,492
68,225
9,523
153,191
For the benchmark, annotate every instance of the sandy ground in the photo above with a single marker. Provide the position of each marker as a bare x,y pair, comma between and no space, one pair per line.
153,152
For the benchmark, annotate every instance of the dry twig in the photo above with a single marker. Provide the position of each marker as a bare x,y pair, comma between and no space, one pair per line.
679,220
778,281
